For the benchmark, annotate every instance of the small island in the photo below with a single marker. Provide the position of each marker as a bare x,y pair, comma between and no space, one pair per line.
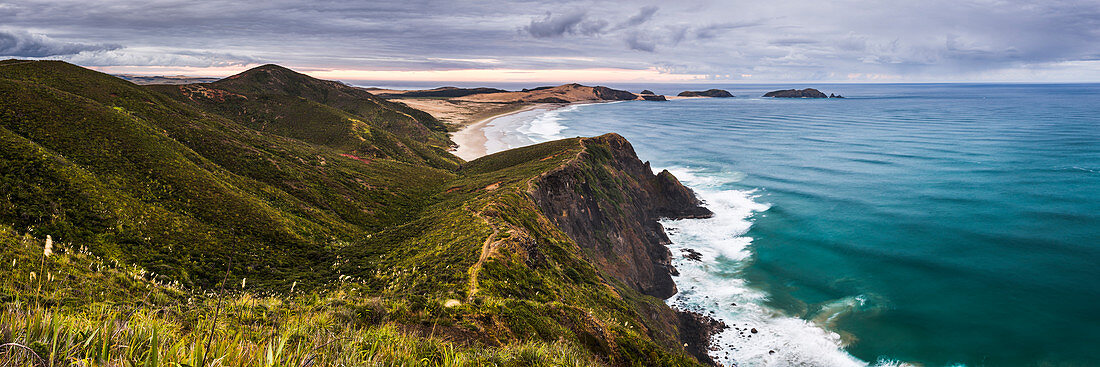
716,93
796,93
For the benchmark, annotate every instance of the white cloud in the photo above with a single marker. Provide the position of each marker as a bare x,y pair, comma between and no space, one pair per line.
26,44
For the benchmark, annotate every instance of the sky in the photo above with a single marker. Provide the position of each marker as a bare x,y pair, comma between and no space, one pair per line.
564,40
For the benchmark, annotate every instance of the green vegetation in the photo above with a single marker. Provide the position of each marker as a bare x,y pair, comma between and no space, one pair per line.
279,101
137,321
342,231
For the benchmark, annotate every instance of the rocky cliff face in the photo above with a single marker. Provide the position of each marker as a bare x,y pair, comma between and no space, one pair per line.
609,94
609,202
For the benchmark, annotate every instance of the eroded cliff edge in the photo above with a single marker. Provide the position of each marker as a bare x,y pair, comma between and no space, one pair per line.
609,202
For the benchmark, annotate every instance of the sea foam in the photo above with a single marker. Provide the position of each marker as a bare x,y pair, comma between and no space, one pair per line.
757,335
525,128
713,286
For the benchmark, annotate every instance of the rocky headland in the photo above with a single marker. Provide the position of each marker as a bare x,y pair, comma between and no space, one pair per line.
338,205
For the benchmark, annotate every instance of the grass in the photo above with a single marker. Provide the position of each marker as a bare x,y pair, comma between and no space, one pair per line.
49,319
101,336
280,101
339,260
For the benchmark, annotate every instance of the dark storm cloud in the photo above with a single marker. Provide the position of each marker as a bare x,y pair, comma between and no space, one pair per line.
26,44
798,39
556,26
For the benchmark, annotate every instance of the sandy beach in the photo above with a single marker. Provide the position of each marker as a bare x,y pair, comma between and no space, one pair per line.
471,139
468,116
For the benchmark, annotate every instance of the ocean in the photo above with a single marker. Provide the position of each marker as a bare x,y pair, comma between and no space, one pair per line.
920,224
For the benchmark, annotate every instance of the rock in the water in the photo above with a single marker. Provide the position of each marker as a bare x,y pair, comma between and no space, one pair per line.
795,93
696,330
692,254
653,97
647,91
835,96
718,93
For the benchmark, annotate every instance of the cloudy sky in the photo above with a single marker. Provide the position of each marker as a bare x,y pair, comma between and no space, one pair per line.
494,40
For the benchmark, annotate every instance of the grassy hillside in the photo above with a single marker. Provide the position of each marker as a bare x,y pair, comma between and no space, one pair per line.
91,158
279,101
161,202
75,308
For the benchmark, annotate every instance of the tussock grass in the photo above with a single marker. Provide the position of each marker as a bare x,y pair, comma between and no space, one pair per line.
106,336
72,320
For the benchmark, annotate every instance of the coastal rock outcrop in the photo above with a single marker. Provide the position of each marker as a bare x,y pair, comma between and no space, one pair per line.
796,93
653,97
696,331
609,202
609,94
647,91
716,93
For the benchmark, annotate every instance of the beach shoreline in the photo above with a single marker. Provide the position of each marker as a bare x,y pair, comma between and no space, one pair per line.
472,142
471,139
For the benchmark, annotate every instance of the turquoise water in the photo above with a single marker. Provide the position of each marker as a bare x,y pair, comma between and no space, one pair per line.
931,224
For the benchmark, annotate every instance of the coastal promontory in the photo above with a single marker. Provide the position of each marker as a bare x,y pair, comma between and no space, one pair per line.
324,201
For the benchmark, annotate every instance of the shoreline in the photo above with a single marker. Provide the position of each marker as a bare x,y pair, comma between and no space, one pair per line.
472,143
709,333
471,139
700,329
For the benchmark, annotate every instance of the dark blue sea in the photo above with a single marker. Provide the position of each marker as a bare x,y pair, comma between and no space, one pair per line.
921,224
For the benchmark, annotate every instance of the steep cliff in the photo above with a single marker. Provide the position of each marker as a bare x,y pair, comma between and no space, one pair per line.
574,223
609,202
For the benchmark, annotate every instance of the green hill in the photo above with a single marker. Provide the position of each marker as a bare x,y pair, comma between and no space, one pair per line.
282,102
261,180
92,158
